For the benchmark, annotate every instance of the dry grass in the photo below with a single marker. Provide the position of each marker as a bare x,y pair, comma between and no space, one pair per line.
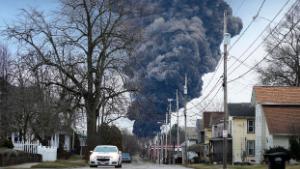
61,164
205,166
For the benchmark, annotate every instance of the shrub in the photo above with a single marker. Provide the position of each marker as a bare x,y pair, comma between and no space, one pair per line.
295,148
6,143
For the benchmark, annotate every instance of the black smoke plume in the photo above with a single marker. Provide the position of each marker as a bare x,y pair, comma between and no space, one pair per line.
180,37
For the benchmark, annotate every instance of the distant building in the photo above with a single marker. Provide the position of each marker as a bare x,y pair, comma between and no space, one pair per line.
192,134
199,128
277,116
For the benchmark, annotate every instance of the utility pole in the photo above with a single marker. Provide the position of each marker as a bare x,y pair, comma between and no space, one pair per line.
177,110
170,115
225,121
185,131
159,147
162,144
166,138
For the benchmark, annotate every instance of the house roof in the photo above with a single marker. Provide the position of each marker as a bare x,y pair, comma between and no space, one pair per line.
276,95
282,120
241,110
210,117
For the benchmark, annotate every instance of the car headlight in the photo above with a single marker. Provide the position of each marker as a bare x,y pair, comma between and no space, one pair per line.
93,157
115,157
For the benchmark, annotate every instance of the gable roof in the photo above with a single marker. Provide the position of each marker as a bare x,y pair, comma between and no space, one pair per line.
282,120
283,95
210,117
241,110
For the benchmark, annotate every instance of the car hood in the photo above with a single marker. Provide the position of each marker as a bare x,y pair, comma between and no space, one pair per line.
104,154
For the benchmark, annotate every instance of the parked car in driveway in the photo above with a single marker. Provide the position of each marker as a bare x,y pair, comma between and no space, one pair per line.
126,158
106,155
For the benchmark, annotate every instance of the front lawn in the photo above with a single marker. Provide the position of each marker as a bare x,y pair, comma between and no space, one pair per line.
61,164
206,166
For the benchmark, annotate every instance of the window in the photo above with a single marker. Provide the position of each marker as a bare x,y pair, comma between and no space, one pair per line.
251,147
251,126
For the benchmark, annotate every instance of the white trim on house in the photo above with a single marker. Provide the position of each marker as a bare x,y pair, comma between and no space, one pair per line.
264,139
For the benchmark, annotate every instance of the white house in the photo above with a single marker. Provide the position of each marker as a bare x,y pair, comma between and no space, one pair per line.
277,116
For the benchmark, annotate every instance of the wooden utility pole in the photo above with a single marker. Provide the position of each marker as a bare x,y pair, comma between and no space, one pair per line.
177,110
170,115
166,138
225,121
185,130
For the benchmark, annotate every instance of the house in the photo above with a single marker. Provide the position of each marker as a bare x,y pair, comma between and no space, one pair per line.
199,128
242,131
241,138
206,133
216,141
277,116
208,118
192,135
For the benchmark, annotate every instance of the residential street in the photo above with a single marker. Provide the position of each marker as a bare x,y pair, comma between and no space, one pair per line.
134,165
145,166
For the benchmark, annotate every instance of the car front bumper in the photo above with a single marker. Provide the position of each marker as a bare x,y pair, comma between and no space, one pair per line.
103,163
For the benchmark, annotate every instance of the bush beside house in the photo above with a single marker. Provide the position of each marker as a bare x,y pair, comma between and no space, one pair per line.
295,148
13,157
6,143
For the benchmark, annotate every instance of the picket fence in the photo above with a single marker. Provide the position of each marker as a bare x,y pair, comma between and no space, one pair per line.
48,153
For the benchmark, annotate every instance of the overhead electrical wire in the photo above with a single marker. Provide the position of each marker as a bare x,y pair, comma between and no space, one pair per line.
256,39
252,68
257,14
236,41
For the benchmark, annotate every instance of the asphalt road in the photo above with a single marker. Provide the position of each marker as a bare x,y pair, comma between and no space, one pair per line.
144,166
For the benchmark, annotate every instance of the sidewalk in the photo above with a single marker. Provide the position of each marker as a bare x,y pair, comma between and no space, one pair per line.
25,165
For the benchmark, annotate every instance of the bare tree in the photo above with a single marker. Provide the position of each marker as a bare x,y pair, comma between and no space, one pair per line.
4,87
83,41
283,66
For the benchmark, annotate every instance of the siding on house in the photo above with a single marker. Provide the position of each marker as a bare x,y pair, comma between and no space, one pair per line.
207,135
240,136
277,117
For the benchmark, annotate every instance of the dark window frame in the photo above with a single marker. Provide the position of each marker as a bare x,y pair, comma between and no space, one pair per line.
251,128
251,150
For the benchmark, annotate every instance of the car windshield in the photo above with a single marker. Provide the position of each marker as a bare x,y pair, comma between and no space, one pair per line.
106,149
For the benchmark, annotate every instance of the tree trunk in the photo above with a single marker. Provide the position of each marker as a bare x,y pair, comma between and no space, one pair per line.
91,126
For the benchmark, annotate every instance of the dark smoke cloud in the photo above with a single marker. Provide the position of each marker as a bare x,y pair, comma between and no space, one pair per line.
180,37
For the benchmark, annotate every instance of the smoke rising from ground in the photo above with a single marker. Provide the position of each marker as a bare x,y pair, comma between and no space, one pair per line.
180,37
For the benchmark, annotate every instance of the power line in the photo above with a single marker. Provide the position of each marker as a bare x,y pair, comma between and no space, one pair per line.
207,95
245,73
257,38
249,25
257,14
240,6
236,41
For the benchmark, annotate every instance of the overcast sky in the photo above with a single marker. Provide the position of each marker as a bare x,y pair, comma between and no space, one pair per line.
239,90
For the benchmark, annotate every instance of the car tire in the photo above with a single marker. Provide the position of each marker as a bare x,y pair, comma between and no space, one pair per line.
118,166
93,166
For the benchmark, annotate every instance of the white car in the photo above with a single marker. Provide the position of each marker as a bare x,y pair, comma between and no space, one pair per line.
106,155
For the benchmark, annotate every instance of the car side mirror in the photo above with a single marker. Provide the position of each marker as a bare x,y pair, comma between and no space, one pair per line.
120,152
91,151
